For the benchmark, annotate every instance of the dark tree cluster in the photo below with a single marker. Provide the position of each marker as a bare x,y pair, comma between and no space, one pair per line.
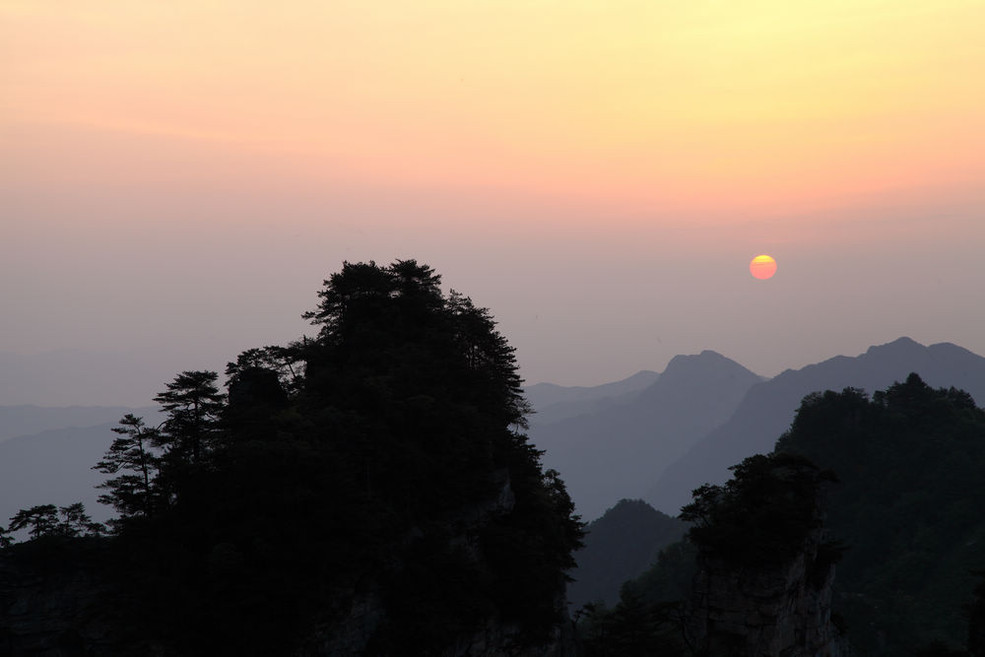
763,515
50,521
342,467
909,503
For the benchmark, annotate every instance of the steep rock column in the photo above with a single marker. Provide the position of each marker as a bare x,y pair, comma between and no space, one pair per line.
781,610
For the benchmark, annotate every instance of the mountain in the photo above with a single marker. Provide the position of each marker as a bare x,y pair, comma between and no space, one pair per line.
46,454
753,579
68,377
53,467
768,408
907,504
379,502
616,452
552,402
619,546
26,420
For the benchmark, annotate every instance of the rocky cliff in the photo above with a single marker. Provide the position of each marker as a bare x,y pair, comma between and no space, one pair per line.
58,599
778,610
352,629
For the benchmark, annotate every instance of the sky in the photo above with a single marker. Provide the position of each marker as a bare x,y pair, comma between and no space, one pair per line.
178,178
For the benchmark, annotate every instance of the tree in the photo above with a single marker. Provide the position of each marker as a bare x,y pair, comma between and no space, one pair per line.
763,514
260,384
133,492
193,405
383,452
76,522
910,462
41,520
285,363
490,357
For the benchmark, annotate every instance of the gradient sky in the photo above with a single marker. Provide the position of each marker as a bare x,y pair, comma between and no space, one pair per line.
177,178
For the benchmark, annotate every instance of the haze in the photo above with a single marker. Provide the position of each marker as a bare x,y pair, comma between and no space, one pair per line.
176,179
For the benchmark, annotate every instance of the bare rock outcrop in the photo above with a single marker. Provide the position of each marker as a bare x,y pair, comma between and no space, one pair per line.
780,610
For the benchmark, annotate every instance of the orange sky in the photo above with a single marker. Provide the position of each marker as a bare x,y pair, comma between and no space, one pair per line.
698,104
717,128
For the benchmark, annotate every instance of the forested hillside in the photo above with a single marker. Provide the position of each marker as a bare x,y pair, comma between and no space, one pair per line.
619,546
908,506
368,490
769,407
902,511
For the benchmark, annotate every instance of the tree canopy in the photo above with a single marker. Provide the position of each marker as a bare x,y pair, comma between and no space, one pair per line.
356,460
763,514
910,460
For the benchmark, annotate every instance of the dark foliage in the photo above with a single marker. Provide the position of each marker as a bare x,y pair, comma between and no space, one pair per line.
976,618
133,492
910,463
620,545
669,579
763,515
636,627
349,466
49,521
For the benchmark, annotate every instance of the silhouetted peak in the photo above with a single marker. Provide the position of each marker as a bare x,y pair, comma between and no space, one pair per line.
951,349
634,513
897,346
704,364
631,507
646,376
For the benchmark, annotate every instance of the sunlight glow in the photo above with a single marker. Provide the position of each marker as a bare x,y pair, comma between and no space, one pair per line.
762,267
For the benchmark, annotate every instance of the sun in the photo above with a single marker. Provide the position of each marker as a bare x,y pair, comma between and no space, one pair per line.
762,267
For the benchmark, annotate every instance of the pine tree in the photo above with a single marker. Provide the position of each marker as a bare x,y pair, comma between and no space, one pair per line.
41,520
193,405
133,492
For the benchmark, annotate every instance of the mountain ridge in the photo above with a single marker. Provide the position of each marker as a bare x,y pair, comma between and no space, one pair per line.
615,452
768,407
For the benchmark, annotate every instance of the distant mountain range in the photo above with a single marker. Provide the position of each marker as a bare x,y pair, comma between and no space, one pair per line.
74,377
26,420
655,436
768,408
46,455
619,546
553,402
704,413
616,451
53,467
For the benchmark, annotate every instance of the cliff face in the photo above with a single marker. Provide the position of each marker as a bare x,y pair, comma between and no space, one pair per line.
353,628
496,638
57,610
58,605
768,611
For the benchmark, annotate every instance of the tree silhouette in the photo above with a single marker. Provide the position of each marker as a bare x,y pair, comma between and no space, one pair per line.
131,493
763,514
193,405
385,452
76,522
41,520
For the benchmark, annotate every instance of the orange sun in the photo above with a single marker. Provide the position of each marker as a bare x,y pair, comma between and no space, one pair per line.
762,267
